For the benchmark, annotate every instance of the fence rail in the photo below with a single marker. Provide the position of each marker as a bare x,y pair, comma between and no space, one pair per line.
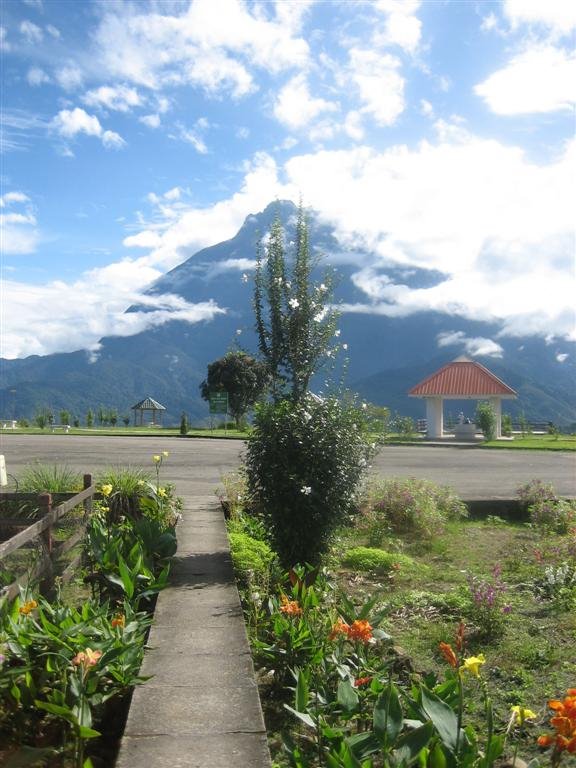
42,529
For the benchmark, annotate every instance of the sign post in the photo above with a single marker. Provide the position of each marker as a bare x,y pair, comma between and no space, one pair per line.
219,404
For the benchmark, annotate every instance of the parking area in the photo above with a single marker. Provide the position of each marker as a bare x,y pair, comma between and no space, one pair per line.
196,465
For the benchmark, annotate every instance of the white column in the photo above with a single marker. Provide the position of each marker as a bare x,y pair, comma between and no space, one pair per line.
434,417
496,404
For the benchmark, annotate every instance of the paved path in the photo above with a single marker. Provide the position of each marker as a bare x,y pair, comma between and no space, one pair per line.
201,707
197,465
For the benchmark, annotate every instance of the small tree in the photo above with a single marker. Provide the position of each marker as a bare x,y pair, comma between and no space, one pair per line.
244,379
64,417
89,418
76,421
486,419
126,420
113,416
42,417
507,424
295,323
183,424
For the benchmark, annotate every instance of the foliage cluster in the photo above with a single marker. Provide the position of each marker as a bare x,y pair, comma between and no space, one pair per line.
486,420
410,506
60,665
304,462
376,560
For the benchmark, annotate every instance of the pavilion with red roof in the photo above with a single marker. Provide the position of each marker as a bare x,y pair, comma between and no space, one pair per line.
463,379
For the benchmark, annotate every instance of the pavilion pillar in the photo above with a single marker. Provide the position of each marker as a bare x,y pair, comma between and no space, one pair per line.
496,404
434,417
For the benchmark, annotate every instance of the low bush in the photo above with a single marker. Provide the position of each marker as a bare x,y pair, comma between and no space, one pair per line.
535,492
371,559
252,558
557,516
401,505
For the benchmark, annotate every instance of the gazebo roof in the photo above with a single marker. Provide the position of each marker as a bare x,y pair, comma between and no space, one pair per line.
462,378
148,404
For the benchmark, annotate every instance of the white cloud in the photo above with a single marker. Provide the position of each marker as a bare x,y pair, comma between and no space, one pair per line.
53,31
380,86
295,107
558,15
69,123
18,232
562,357
4,44
489,22
120,98
88,309
476,346
31,32
401,26
541,79
37,76
191,136
152,121
69,77
196,47
501,228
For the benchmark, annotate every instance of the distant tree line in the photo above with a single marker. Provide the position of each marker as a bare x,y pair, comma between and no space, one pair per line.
102,416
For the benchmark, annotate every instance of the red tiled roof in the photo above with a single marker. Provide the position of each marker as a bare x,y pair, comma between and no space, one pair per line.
462,378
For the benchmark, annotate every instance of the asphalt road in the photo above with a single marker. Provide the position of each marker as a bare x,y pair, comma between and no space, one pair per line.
197,465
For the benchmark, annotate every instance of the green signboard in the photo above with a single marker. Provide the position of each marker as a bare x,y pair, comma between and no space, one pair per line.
218,402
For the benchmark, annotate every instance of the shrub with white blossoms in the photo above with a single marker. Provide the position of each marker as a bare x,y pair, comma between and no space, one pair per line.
304,464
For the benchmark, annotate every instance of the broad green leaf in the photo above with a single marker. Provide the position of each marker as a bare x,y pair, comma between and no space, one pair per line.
126,577
88,733
443,717
347,695
388,718
364,744
411,744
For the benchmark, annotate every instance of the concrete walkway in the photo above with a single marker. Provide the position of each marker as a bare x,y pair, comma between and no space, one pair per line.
201,707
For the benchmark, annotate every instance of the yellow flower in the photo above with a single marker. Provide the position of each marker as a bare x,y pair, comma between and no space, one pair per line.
119,621
472,664
165,454
522,713
106,490
28,607
161,491
157,458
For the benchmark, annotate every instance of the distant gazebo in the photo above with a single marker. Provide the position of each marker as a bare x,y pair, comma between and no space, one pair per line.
463,379
148,405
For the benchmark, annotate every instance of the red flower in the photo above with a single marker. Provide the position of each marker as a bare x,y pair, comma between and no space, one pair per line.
362,681
360,630
448,653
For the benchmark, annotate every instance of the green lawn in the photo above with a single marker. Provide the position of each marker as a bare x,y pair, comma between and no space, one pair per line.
536,442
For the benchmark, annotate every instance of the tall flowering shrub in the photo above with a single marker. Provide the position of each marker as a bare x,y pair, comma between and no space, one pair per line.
304,463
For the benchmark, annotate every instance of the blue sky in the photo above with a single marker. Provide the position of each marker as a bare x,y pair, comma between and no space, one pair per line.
437,134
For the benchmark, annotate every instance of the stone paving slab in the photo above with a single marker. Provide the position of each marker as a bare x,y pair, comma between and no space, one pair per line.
229,750
201,706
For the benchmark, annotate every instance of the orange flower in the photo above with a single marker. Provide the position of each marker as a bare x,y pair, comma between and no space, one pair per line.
87,658
360,630
28,607
564,723
290,607
340,628
448,653
460,637
118,621
362,681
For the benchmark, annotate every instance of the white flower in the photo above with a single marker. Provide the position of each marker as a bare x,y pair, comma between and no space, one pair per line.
319,317
362,463
306,490
238,331
364,406
278,280
336,333
322,287
288,284
344,346
294,303
245,277
306,416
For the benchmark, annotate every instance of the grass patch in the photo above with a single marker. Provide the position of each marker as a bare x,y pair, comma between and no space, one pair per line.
535,443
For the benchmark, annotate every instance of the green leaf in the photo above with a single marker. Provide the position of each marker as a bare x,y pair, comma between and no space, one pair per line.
411,744
347,695
388,718
88,733
55,709
302,693
126,576
303,716
443,717
364,744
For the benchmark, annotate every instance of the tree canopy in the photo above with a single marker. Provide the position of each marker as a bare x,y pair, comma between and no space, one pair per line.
243,377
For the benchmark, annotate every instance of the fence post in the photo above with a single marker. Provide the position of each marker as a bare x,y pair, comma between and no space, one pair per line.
45,502
88,502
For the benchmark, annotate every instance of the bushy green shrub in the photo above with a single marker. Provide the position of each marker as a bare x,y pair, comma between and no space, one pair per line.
372,559
407,505
486,420
304,463
252,558
535,492
557,515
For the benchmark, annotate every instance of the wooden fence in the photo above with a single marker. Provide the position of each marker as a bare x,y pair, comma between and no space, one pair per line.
42,529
